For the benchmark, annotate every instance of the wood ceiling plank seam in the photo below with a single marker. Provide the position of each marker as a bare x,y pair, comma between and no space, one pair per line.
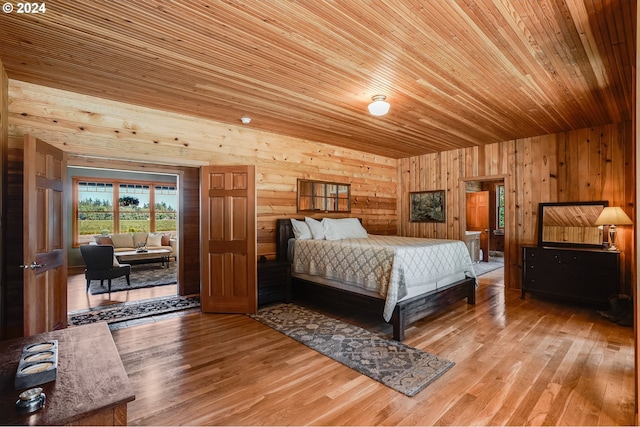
403,50
311,60
604,97
536,19
603,44
525,54
143,47
622,85
478,31
524,36
584,75
517,29
580,16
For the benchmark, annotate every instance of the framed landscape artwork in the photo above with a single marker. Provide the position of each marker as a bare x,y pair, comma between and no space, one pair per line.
427,206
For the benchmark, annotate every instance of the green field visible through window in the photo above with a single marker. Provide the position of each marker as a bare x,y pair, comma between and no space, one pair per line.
500,208
112,207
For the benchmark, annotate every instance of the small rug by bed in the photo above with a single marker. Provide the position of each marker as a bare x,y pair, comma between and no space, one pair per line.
484,267
142,276
133,310
392,363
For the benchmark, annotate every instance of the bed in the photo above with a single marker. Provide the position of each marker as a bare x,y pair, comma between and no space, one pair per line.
402,297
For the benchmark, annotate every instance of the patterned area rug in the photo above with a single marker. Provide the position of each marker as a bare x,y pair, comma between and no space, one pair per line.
133,310
394,364
142,276
484,267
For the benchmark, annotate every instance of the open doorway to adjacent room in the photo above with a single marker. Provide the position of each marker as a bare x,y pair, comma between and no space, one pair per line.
485,224
105,203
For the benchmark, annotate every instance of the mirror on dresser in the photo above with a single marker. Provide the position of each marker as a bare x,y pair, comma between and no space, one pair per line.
570,261
570,224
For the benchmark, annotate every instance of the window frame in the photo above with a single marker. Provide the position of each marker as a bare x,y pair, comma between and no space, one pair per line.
115,202
323,196
500,206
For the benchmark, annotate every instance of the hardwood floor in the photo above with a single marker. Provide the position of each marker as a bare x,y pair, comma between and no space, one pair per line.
518,362
79,299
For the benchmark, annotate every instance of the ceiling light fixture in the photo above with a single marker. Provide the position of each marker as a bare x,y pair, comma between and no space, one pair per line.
245,120
379,107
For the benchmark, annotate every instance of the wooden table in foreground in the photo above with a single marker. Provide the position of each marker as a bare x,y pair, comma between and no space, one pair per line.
91,386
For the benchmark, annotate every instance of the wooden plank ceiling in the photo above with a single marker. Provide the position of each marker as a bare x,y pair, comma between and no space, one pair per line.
458,73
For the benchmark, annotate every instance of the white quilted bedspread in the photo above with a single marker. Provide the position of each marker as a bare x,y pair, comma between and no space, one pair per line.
388,265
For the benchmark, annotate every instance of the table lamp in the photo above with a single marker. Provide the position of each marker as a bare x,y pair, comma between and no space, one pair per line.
613,216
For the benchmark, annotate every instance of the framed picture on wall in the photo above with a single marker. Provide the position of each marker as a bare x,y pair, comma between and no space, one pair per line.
427,206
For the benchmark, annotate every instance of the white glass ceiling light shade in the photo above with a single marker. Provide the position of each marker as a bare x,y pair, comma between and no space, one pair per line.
379,107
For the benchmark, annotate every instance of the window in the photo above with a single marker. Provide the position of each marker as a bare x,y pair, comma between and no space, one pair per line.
166,214
107,206
95,212
323,196
135,216
500,208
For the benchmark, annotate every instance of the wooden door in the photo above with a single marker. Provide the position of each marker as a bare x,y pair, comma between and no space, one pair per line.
478,218
45,259
228,226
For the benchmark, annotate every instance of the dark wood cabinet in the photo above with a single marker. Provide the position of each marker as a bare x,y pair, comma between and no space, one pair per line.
274,282
580,275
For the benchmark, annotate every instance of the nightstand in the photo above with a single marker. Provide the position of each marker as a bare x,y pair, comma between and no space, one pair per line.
274,282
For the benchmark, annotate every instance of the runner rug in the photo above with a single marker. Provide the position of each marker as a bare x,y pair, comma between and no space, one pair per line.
133,310
392,363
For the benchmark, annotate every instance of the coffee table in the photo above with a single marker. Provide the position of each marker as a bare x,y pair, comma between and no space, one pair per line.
149,256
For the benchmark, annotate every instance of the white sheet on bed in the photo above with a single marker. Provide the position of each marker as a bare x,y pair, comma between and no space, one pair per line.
387,265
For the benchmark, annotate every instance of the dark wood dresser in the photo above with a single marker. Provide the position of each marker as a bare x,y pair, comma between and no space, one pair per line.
274,282
573,274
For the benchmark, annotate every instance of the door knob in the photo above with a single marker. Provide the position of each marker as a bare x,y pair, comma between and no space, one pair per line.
33,266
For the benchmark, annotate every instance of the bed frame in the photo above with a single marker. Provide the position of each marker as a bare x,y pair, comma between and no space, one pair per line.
405,312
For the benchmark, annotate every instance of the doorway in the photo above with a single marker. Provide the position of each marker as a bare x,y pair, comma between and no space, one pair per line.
485,223
101,208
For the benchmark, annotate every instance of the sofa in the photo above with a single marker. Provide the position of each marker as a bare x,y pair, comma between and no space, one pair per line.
127,242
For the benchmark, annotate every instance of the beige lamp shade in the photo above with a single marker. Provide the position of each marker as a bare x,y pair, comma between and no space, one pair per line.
613,216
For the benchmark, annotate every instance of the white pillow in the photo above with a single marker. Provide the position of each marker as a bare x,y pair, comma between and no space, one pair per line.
154,240
344,228
316,227
301,230
122,240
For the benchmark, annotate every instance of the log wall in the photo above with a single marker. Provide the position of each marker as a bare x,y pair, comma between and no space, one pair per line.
582,165
97,128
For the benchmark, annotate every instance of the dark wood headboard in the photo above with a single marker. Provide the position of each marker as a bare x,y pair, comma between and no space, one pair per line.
284,232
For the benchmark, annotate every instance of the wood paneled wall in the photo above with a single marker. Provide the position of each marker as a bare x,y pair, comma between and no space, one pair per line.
94,127
581,165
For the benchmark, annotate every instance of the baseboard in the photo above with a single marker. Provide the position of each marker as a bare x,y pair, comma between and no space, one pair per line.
78,269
